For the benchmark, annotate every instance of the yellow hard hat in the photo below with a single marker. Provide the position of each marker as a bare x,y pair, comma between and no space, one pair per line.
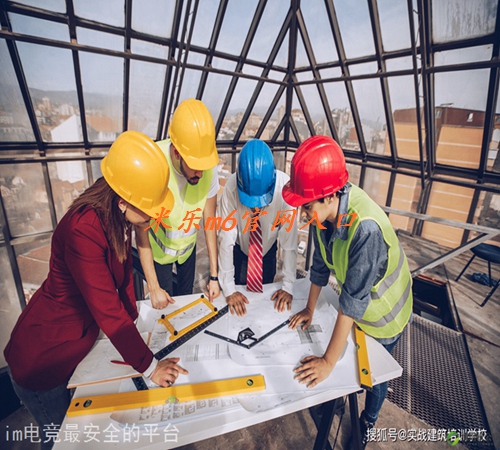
137,170
192,132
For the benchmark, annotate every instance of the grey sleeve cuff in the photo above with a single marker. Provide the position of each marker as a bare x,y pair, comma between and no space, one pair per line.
353,307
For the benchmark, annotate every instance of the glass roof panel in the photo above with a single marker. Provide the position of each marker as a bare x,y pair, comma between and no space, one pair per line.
98,39
38,27
299,120
149,49
223,64
334,72
341,115
462,89
111,12
394,24
371,111
301,59
404,197
51,5
204,23
307,75
403,63
281,59
190,84
402,95
235,26
14,120
260,109
461,97
463,55
319,31
267,32
376,184
215,93
196,59
146,82
25,199
364,68
249,69
355,27
354,173
102,80
274,121
494,153
275,75
316,110
51,79
153,16
453,20
239,103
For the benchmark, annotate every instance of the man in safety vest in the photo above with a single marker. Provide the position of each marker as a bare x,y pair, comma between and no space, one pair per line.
171,237
254,192
361,248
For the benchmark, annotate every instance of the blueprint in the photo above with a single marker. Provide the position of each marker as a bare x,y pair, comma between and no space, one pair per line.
284,346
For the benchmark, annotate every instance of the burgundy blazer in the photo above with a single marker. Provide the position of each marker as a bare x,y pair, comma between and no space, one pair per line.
87,289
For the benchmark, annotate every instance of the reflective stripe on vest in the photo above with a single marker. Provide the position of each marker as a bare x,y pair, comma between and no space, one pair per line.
176,234
171,244
167,250
391,304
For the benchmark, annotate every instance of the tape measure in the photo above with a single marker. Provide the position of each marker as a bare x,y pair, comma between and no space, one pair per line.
151,397
365,375
192,332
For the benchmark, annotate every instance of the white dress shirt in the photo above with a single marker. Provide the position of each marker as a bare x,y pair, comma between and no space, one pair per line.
229,202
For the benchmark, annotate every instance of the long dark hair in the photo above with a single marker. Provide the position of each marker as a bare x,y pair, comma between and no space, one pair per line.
104,200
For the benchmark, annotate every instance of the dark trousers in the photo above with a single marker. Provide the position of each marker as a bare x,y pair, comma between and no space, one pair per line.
48,408
184,279
375,398
240,261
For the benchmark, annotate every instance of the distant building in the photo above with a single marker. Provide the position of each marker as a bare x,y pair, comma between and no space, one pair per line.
459,134
99,128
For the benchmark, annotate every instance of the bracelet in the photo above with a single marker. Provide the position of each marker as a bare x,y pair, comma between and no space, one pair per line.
213,278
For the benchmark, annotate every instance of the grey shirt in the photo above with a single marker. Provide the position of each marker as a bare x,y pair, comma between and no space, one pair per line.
367,261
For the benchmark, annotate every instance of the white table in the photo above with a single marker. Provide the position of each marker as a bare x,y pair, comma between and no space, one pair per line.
191,429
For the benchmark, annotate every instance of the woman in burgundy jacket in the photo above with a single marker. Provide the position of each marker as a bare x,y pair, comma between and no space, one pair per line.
90,284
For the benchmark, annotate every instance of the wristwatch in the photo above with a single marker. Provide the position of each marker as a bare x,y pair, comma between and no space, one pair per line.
213,278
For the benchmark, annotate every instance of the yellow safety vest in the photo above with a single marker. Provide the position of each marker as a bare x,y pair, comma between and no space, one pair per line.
171,244
391,298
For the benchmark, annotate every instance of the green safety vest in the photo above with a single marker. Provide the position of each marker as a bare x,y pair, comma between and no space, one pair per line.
391,298
171,244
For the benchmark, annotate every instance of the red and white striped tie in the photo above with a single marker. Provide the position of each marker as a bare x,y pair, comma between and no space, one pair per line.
254,272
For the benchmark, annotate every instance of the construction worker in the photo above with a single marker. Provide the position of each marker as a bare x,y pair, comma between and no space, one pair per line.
255,190
90,285
192,157
360,247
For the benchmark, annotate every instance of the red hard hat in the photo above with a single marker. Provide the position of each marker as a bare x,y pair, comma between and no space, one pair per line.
318,170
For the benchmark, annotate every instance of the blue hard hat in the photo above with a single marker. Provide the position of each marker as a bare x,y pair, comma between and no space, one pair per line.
256,174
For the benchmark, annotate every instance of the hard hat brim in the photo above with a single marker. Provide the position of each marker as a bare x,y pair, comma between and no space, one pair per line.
255,201
196,163
167,203
292,198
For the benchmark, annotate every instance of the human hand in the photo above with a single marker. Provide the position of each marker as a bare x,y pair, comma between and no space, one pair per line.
305,316
160,298
313,370
283,300
167,371
236,302
213,289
